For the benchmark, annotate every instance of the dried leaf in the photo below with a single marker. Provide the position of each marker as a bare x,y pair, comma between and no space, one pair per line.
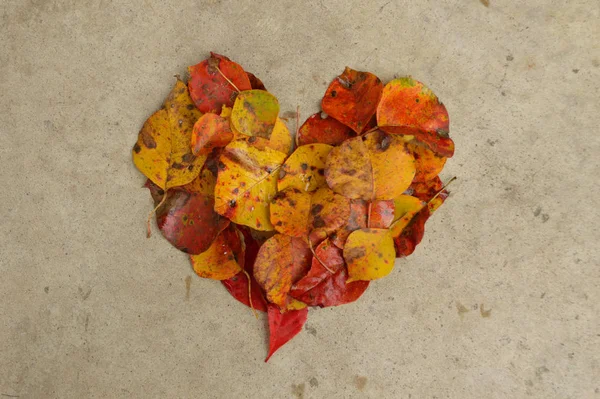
210,131
323,129
305,168
382,214
427,163
162,152
325,284
223,259
246,184
209,89
282,261
369,254
255,113
255,82
370,167
283,327
352,98
409,107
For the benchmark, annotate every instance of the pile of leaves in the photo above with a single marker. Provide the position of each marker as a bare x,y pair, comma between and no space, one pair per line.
286,225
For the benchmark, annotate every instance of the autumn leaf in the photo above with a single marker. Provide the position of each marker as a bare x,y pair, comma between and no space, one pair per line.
280,140
237,285
223,259
356,220
427,163
246,184
405,209
296,213
409,107
210,89
162,152
370,167
323,129
282,261
283,327
255,82
255,113
325,284
426,191
210,131
188,221
369,254
382,214
352,98
305,168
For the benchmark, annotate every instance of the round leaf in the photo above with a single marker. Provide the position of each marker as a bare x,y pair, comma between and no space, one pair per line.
369,254
305,168
220,260
255,113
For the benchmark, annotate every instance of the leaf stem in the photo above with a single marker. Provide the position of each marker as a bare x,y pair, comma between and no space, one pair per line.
225,77
250,293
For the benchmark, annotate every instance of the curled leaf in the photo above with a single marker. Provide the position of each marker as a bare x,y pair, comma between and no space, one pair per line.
283,327
369,254
255,113
352,98
409,107
246,184
370,167
323,129
305,168
282,261
162,152
325,284
210,89
223,259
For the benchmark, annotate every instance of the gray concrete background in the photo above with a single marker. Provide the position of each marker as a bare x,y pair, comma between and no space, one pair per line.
92,309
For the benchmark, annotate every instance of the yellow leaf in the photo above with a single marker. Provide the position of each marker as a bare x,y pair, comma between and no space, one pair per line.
162,152
220,260
405,208
376,166
255,113
246,184
370,254
305,168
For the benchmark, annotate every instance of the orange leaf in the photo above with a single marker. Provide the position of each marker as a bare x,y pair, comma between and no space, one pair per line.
370,167
427,163
282,261
323,129
210,131
352,98
382,214
409,107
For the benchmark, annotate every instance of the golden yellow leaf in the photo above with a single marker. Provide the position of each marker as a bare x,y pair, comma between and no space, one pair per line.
369,253
305,168
222,259
255,113
405,208
376,166
246,184
162,152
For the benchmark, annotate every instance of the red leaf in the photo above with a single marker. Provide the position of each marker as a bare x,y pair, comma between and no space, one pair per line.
188,220
209,89
255,82
283,327
317,129
352,98
322,287
382,214
238,284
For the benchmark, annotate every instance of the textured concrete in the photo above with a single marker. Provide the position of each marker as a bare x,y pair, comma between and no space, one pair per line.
91,308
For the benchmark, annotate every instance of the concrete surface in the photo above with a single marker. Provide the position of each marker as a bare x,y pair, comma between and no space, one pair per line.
92,309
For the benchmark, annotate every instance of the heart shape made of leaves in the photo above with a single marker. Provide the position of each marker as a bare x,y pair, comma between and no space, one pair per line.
285,228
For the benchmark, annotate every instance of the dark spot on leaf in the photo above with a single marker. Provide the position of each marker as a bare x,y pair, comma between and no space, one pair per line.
191,167
291,202
235,190
279,223
316,209
243,184
178,166
304,166
354,253
282,173
417,100
212,64
385,142
349,172
252,139
333,93
137,148
443,133
190,106
148,140
318,221
321,172
187,158
232,204
221,165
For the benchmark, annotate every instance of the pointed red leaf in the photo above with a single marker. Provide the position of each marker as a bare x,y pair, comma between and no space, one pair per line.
255,82
326,130
209,89
352,98
238,284
283,327
322,287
